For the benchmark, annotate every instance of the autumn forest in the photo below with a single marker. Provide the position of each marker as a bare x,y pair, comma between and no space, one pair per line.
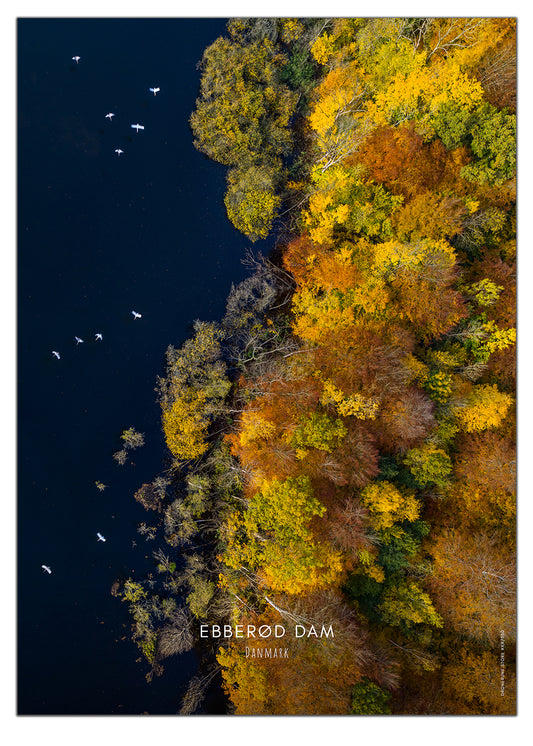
341,445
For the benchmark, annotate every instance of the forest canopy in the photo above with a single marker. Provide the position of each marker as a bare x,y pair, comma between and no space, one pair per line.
342,443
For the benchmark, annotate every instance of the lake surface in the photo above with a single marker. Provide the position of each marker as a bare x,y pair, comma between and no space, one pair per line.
99,236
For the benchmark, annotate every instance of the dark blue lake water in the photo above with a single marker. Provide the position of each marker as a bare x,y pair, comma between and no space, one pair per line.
99,236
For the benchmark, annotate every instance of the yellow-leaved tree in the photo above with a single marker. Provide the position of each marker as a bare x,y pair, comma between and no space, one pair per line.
485,407
388,505
274,539
184,425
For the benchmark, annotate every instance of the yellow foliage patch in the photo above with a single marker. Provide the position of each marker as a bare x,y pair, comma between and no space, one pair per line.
387,505
184,426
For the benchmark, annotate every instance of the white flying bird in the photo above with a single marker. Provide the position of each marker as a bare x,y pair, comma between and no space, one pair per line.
110,116
155,90
98,336
136,315
137,127
100,537
78,340
56,354
76,59
118,151
46,569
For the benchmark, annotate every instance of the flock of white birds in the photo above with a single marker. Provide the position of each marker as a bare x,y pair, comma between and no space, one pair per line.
99,336
155,90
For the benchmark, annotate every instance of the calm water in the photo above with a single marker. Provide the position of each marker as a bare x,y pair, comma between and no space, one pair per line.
100,235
